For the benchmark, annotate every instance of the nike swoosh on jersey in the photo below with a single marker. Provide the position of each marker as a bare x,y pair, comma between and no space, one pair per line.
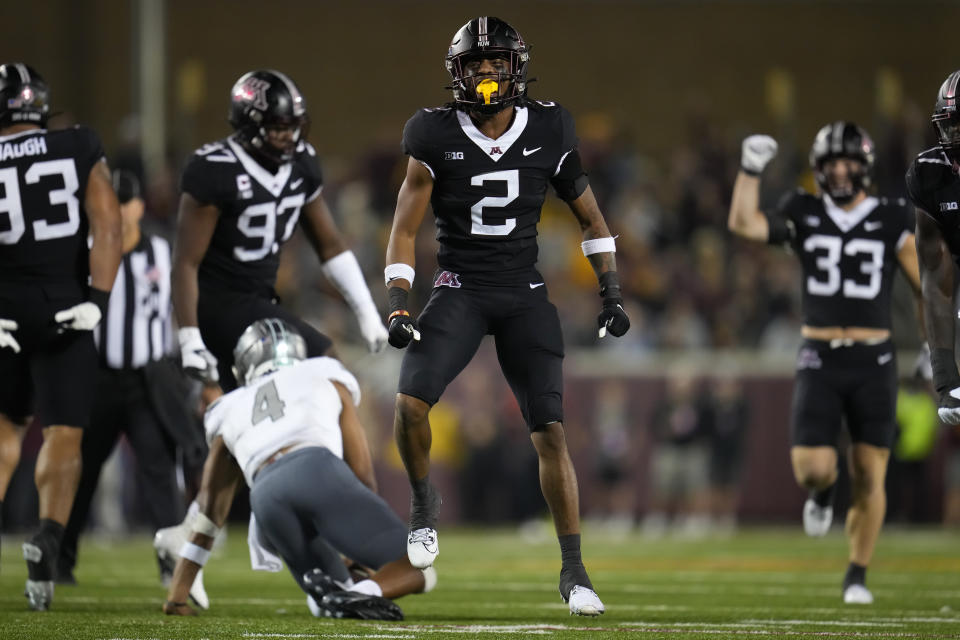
534,285
884,358
528,152
296,183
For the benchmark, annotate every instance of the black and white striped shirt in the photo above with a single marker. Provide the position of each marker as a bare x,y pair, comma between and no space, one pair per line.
137,329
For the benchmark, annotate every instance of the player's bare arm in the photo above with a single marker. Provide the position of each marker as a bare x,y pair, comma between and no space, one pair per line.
106,251
401,251
909,264
587,212
937,282
745,218
412,204
356,450
599,248
103,211
195,228
321,230
341,268
221,477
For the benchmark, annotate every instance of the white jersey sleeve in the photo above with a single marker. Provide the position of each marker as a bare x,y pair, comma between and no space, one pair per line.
296,405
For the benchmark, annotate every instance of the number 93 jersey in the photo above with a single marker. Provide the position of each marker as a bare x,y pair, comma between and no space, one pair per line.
847,257
43,223
487,193
294,405
259,210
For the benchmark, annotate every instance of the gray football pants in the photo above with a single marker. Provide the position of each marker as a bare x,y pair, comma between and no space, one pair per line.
310,508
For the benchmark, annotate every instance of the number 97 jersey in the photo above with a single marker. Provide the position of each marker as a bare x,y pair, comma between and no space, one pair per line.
43,224
259,210
847,257
487,193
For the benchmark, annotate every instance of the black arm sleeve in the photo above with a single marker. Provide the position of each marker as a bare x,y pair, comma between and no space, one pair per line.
570,180
780,222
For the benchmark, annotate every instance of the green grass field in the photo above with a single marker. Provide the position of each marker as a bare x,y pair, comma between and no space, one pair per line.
760,583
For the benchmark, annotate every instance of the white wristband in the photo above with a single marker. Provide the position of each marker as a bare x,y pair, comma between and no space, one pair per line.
194,553
598,245
398,270
203,525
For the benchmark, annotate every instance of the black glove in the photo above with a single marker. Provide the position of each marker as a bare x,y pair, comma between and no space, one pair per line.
613,318
946,379
401,327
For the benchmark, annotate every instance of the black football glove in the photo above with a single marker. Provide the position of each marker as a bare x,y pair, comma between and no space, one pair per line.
946,379
613,318
403,328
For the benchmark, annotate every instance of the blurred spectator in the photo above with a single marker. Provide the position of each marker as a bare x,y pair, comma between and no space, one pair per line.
728,415
917,426
614,456
679,460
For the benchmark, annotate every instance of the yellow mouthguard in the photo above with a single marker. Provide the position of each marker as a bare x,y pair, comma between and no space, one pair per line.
486,88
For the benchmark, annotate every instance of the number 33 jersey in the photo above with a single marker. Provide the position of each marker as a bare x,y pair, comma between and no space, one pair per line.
259,210
487,193
848,258
294,405
43,223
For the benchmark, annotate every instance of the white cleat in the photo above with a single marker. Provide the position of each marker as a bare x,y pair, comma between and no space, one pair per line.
39,594
167,543
422,547
816,519
584,602
857,594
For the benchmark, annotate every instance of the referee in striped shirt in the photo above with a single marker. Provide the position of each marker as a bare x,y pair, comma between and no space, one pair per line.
132,339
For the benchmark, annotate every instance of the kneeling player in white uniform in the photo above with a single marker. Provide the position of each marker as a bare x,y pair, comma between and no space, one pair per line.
293,430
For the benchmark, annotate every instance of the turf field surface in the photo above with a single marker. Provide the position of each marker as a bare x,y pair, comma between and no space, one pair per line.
760,583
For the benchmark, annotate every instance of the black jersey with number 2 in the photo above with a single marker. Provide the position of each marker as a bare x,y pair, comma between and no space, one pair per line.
43,223
259,210
848,258
487,193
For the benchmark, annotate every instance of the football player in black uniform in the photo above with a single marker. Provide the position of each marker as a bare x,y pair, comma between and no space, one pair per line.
243,197
849,244
56,192
484,162
934,187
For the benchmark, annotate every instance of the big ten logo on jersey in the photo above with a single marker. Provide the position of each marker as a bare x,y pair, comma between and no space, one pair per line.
447,279
948,206
244,186
453,155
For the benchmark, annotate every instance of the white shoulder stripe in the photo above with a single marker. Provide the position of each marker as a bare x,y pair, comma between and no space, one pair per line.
933,161
429,168
560,164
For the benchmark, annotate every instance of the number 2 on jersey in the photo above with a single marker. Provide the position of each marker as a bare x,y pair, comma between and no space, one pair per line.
830,264
512,178
12,205
267,404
